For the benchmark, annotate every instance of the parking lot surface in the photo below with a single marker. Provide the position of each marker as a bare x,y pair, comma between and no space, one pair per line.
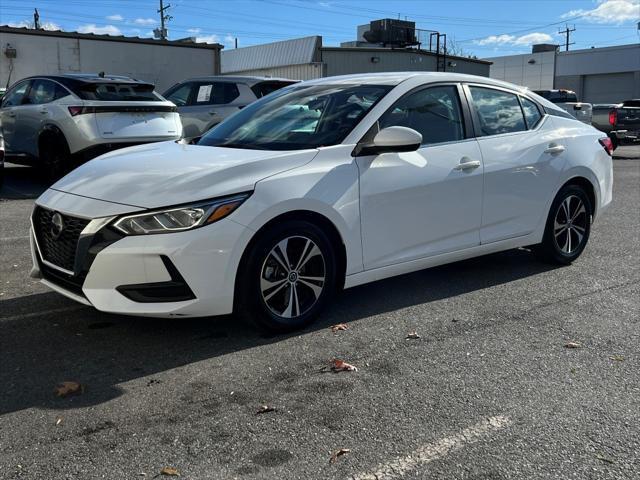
490,390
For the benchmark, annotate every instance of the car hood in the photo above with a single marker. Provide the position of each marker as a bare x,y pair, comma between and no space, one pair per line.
169,173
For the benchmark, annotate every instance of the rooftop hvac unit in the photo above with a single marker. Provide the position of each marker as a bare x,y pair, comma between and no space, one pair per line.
395,33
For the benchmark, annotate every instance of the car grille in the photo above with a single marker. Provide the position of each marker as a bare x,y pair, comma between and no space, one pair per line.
60,251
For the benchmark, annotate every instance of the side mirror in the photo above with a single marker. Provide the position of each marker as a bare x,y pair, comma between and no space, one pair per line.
391,139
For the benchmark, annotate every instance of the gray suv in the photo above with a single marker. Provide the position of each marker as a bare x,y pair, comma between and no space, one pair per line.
204,102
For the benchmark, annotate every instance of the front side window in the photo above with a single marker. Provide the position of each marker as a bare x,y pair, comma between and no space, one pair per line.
434,112
14,97
531,112
302,117
498,112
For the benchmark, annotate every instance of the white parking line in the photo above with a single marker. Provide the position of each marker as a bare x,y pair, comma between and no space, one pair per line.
433,451
9,239
24,316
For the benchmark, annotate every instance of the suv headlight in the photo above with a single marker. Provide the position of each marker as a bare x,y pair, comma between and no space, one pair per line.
177,219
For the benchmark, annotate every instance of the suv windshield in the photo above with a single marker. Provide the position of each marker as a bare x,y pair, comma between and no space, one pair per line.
297,118
117,92
561,96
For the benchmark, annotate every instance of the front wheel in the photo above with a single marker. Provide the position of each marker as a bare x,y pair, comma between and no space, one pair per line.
288,277
568,226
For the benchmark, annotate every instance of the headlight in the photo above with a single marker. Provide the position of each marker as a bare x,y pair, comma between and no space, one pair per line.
179,218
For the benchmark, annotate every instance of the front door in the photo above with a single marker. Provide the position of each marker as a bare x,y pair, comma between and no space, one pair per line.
423,203
12,105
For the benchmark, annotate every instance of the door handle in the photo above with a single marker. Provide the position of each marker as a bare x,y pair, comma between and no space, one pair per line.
44,111
12,114
212,112
466,164
554,149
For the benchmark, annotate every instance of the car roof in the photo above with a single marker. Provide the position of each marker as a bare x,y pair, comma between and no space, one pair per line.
248,79
75,79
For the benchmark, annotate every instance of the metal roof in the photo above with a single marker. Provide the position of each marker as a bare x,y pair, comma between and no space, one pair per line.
108,38
288,52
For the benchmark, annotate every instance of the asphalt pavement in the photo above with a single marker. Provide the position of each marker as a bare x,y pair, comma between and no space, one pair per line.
489,390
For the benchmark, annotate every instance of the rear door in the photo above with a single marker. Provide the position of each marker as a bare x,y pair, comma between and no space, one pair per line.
522,154
10,113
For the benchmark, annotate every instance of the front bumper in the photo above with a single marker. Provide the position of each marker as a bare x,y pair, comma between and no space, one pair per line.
189,273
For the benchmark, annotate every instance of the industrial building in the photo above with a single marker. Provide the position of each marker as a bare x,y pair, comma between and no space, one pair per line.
26,52
386,46
597,75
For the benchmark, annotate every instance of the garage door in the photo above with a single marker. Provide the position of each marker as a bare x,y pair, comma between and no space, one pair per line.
608,88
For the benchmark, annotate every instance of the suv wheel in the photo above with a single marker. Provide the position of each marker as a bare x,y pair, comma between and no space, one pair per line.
288,277
54,154
568,226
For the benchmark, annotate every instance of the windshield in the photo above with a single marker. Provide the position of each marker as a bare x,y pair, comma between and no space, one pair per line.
114,92
297,117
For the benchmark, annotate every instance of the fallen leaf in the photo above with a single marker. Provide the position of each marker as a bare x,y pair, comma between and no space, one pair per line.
572,345
58,421
339,453
265,409
602,458
617,358
412,336
170,472
338,365
338,327
66,389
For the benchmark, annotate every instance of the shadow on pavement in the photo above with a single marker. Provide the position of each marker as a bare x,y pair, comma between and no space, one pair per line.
39,350
21,183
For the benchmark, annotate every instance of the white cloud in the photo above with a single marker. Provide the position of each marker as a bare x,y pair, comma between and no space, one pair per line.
29,24
609,11
229,39
208,39
194,30
115,18
145,21
103,30
523,40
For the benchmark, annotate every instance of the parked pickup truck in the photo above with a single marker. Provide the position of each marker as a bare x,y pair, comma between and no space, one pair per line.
568,101
621,121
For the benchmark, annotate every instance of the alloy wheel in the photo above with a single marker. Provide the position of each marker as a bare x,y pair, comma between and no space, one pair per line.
570,224
293,277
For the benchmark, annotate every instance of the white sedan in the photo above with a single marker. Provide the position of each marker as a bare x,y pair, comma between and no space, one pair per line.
323,185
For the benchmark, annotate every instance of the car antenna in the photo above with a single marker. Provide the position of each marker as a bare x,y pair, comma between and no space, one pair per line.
101,74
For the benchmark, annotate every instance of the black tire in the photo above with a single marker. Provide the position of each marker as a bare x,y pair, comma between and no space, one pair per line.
260,267
563,243
54,154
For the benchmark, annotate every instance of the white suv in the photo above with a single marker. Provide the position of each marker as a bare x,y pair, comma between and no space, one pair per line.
57,122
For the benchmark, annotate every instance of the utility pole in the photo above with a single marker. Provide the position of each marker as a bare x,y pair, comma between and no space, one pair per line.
36,19
567,31
162,32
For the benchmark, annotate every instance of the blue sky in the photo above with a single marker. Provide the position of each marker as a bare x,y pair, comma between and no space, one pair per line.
482,28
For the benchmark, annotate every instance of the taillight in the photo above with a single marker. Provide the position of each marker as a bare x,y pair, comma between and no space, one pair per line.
75,111
613,118
607,144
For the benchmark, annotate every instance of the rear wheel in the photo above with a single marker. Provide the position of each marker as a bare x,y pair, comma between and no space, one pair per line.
54,155
288,277
568,226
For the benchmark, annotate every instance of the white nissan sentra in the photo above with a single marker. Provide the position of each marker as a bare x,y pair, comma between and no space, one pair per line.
323,185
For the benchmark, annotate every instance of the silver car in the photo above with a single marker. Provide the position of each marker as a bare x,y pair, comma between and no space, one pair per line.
204,102
55,122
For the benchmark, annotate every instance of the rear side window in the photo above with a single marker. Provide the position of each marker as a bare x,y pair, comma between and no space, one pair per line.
434,112
559,96
117,92
14,96
498,112
265,88
531,112
45,91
